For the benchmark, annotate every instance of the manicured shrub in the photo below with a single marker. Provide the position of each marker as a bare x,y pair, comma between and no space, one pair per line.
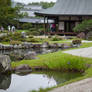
56,38
16,56
4,39
49,36
25,26
78,41
33,40
31,36
15,42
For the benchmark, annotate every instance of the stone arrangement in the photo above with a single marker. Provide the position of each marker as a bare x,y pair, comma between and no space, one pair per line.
26,45
5,63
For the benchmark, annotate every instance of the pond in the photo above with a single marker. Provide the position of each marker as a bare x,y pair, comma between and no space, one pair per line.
34,81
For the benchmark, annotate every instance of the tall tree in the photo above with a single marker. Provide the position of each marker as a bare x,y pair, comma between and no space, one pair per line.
8,15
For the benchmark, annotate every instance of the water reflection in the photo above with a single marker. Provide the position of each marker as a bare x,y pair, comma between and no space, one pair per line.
34,81
5,81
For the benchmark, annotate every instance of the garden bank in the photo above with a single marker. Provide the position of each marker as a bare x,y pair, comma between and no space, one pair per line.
61,61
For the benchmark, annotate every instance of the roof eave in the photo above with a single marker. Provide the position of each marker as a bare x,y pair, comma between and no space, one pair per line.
44,14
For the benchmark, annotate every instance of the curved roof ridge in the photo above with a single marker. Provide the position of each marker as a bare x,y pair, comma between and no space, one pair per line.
69,7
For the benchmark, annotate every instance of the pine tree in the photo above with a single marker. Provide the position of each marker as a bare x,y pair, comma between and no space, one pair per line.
8,15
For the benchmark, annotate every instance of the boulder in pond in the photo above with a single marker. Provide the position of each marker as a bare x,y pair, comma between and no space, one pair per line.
45,45
37,46
30,55
5,63
66,46
27,45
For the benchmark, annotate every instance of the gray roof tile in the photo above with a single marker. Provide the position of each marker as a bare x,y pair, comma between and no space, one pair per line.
69,7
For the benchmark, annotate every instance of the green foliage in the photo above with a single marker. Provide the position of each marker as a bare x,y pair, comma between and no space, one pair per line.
15,42
16,36
43,4
25,26
40,90
16,56
46,4
33,40
35,31
56,38
7,13
84,26
31,36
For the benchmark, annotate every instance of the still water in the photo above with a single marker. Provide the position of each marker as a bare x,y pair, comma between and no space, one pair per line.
34,81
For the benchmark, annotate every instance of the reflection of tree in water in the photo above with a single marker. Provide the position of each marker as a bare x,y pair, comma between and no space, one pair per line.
5,81
60,77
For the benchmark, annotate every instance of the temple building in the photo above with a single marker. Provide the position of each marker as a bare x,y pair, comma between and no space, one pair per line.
67,14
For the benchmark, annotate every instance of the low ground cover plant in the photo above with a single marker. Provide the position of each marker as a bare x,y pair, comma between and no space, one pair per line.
57,61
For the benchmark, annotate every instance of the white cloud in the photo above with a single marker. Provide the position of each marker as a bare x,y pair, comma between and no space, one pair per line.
29,1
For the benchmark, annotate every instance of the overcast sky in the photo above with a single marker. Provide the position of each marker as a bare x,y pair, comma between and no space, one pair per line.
28,1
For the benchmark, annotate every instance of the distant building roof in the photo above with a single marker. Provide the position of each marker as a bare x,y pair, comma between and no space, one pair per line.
34,20
69,7
33,7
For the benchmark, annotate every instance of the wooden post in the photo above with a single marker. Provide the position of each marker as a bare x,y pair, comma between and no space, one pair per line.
44,26
47,25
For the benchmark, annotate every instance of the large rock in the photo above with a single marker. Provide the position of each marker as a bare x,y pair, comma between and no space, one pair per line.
65,46
89,36
1,45
23,68
5,63
54,45
45,45
81,35
30,55
27,45
37,46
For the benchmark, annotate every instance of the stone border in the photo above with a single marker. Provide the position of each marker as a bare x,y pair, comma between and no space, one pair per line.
27,45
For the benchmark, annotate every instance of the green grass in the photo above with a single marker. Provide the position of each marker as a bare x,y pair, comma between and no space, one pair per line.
5,43
56,61
22,31
85,45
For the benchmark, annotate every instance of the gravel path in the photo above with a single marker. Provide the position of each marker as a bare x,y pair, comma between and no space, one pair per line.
84,52
80,86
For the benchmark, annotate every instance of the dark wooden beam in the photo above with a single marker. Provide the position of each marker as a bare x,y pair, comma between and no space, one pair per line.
44,26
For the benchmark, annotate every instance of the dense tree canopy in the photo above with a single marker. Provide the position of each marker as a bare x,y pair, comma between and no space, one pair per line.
43,4
8,15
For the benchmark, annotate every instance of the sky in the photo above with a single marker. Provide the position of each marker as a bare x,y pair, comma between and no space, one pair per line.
29,1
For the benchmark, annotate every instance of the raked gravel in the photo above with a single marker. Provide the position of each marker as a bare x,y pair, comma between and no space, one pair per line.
83,52
80,86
